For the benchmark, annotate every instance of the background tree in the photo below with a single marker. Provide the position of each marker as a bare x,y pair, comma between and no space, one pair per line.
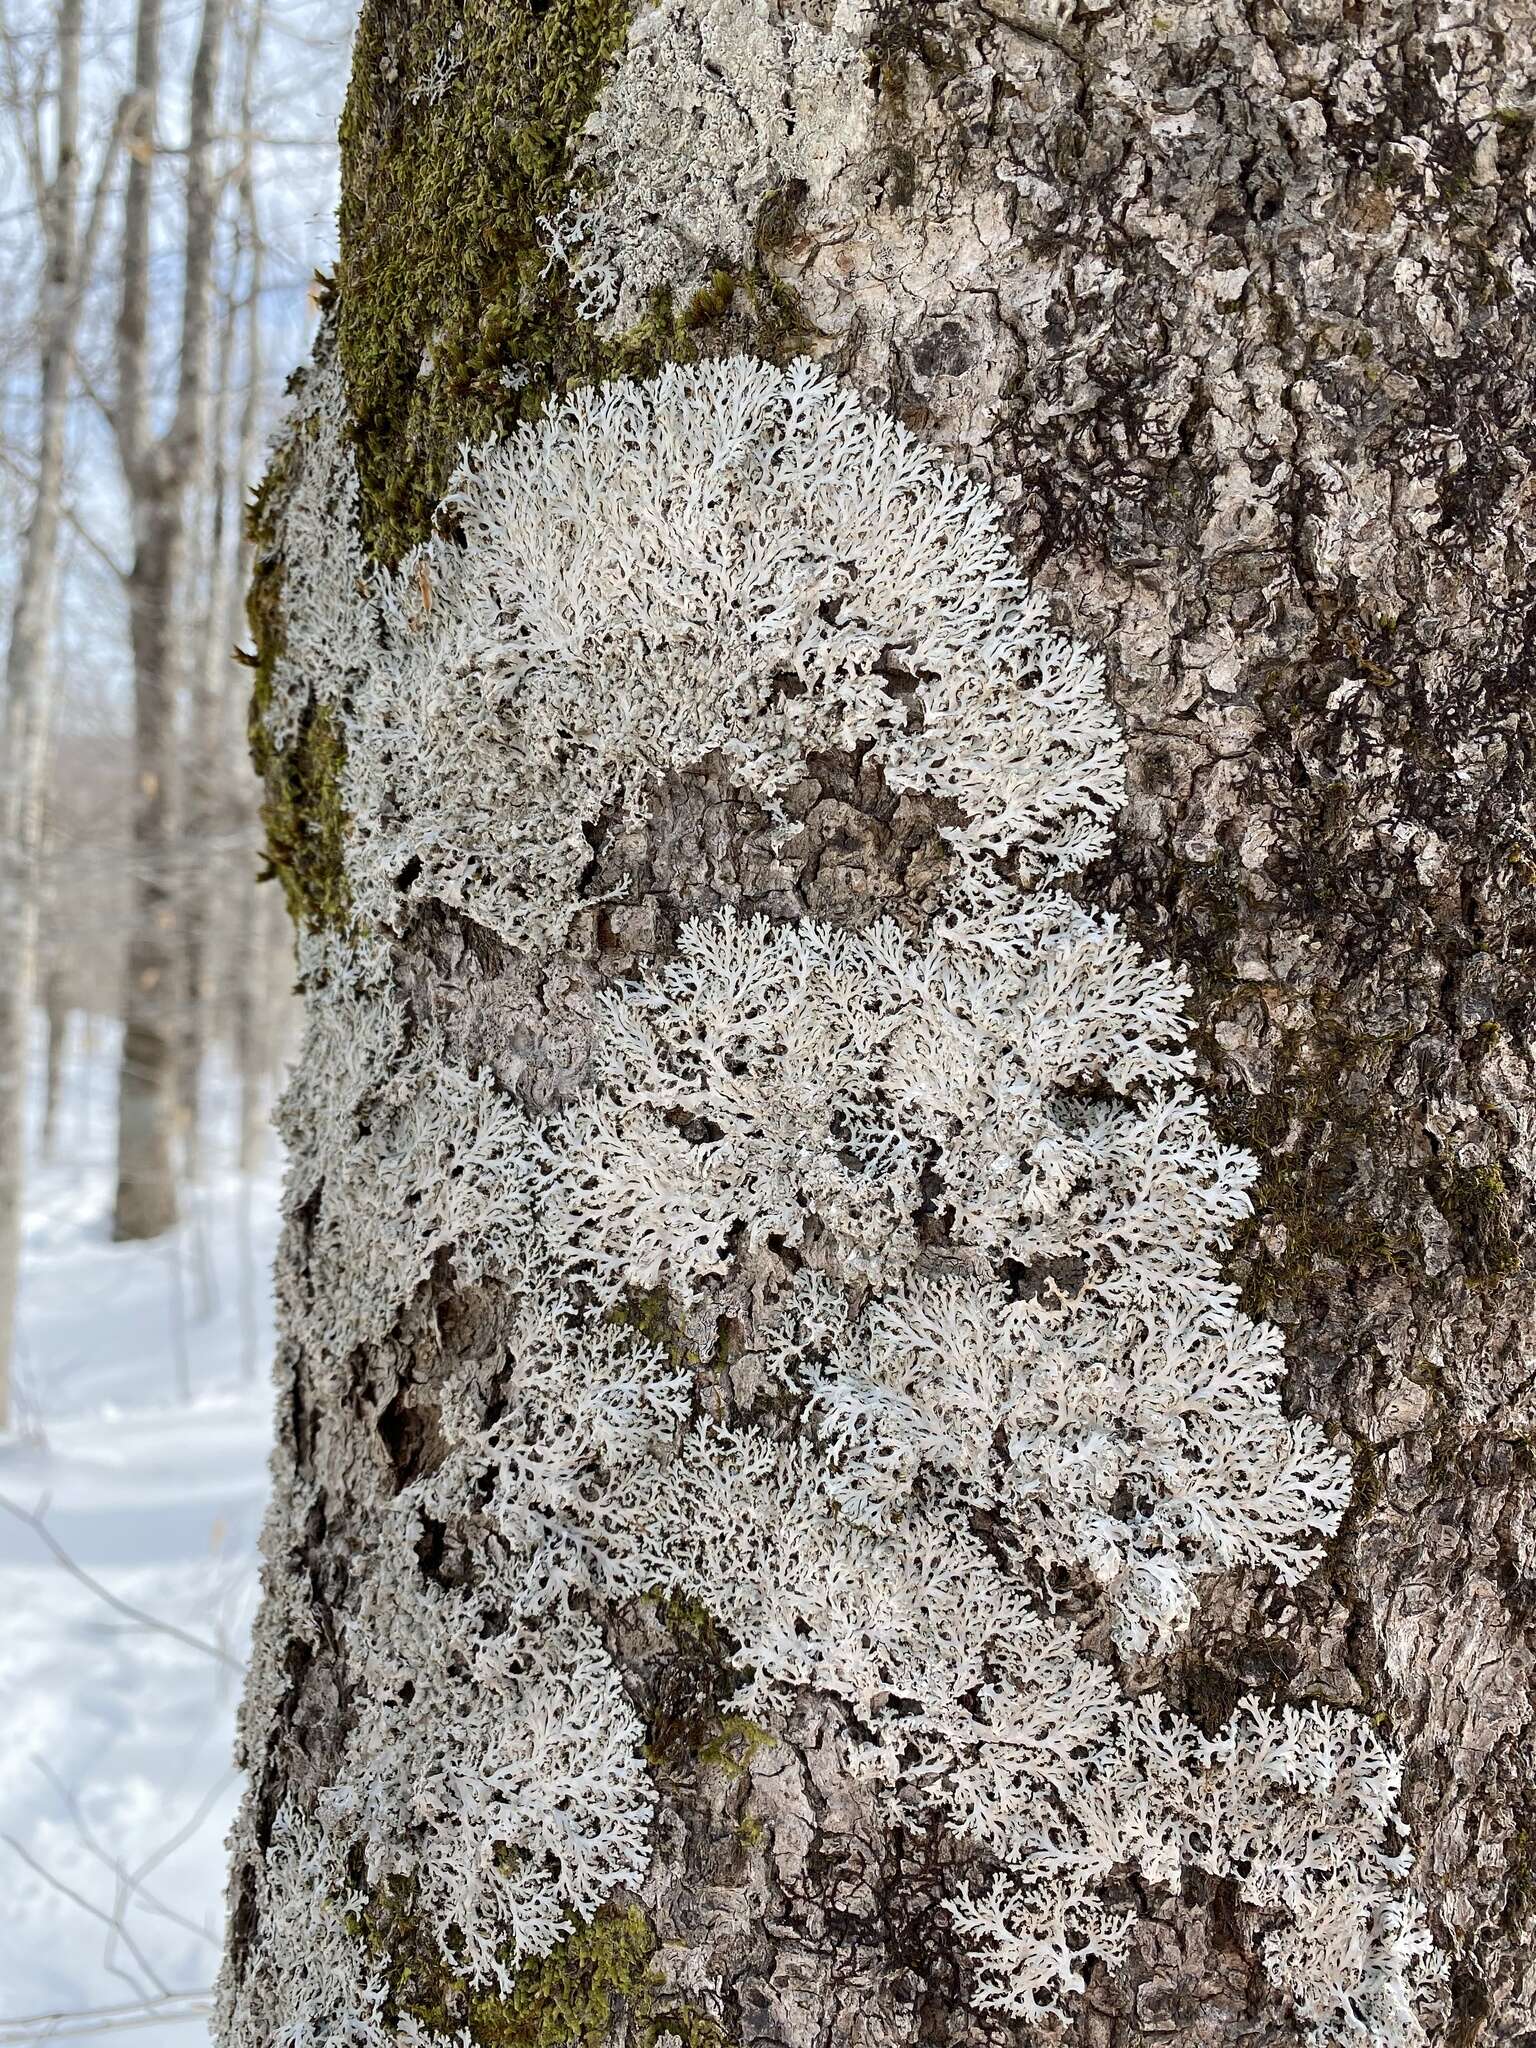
67,546
44,98
158,468
1230,313
107,1332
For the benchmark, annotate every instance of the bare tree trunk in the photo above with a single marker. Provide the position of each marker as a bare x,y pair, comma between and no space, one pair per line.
253,965
625,1674
25,713
157,470
208,766
56,1009
254,910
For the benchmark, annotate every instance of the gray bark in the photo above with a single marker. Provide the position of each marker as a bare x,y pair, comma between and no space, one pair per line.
56,1008
1231,306
157,470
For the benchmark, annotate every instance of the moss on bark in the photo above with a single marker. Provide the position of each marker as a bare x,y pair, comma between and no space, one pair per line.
453,323
601,1975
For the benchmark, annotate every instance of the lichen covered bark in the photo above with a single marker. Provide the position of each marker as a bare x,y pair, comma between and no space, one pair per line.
459,149
1231,310
1235,306
452,320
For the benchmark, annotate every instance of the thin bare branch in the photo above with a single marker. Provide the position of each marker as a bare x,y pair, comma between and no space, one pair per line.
134,1890
152,1622
105,2019
24,98
90,241
112,1920
77,526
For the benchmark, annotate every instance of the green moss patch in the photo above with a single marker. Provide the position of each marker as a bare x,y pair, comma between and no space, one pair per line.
1309,1188
684,2023
457,139
734,1744
1474,1200
575,1993
685,1690
599,1977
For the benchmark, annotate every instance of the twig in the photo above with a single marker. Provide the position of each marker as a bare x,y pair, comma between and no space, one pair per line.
112,1920
165,1628
105,2019
135,1891
184,1833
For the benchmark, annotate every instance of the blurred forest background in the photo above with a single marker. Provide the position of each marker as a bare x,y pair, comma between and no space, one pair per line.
167,197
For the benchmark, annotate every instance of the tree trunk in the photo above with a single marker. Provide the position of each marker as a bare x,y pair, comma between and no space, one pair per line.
209,765
157,470
25,715
145,1201
56,1008
620,1677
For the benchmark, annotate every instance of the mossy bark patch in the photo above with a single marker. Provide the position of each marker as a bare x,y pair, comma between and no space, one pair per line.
597,1979
454,323
455,140
571,1996
686,1687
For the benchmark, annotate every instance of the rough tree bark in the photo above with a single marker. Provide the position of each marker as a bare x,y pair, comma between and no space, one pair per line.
1230,305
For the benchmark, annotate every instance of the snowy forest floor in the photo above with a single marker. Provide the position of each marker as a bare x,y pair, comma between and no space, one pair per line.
144,1414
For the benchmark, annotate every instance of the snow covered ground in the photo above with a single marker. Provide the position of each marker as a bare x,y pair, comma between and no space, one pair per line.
145,1414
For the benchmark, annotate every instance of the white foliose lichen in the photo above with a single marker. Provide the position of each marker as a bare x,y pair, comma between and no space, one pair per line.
1007,1280
971,1704
715,105
731,561
951,1189
329,622
1297,1806
518,1761
491,1778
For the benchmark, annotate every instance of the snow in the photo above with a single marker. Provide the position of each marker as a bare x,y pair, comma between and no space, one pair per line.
144,1414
